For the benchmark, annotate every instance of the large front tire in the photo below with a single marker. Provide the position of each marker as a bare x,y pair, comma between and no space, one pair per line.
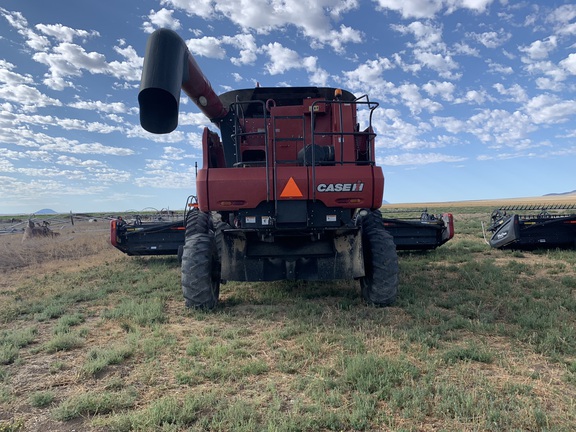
380,282
197,222
200,272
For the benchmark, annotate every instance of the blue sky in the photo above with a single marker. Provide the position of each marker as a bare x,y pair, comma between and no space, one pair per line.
477,97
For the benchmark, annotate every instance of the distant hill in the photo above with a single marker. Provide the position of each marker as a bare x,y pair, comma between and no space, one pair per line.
46,211
563,193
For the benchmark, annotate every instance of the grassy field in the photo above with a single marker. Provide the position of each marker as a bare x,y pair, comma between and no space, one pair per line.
479,340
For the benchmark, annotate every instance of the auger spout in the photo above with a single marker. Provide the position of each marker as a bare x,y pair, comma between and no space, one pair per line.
168,68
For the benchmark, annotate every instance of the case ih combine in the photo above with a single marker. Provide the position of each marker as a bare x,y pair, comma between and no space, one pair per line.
289,188
533,227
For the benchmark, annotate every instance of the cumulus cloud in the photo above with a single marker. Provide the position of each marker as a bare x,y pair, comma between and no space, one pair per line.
412,98
7,76
63,33
206,46
105,107
569,64
313,19
27,97
370,76
540,49
426,35
161,19
491,39
76,162
444,65
563,19
430,8
282,59
173,153
246,43
515,93
444,90
495,127
67,60
550,109
418,159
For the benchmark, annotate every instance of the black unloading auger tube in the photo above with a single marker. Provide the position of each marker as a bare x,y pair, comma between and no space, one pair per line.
169,67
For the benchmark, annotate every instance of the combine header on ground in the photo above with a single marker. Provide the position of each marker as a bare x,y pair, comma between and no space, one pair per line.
533,226
425,232
288,188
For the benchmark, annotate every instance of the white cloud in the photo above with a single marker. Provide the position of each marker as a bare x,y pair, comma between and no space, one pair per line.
173,153
495,127
246,43
313,19
515,93
161,19
569,63
473,97
444,65
75,162
540,49
414,100
63,33
418,159
105,107
370,76
201,8
499,69
130,68
550,70
206,46
443,89
68,60
281,59
491,39
426,35
429,8
17,21
561,18
550,109
412,8
12,78
71,146
28,98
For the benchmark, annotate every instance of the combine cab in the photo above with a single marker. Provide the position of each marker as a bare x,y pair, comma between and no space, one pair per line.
288,188
533,227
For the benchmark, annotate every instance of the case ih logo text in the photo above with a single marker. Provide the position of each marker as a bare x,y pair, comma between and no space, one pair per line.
340,187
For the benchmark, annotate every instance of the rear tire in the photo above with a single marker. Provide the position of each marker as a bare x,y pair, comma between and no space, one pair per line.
200,272
380,283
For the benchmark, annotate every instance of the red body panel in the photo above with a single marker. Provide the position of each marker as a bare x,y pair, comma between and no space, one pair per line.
335,186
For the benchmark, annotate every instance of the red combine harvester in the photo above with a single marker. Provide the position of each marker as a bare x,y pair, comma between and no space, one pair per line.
289,188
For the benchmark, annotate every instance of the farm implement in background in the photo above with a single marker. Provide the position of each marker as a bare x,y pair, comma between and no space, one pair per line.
533,227
425,232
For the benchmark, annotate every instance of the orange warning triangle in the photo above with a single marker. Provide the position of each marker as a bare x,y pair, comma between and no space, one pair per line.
291,190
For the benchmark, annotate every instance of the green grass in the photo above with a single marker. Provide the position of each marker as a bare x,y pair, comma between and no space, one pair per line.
42,399
93,403
479,340
99,358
